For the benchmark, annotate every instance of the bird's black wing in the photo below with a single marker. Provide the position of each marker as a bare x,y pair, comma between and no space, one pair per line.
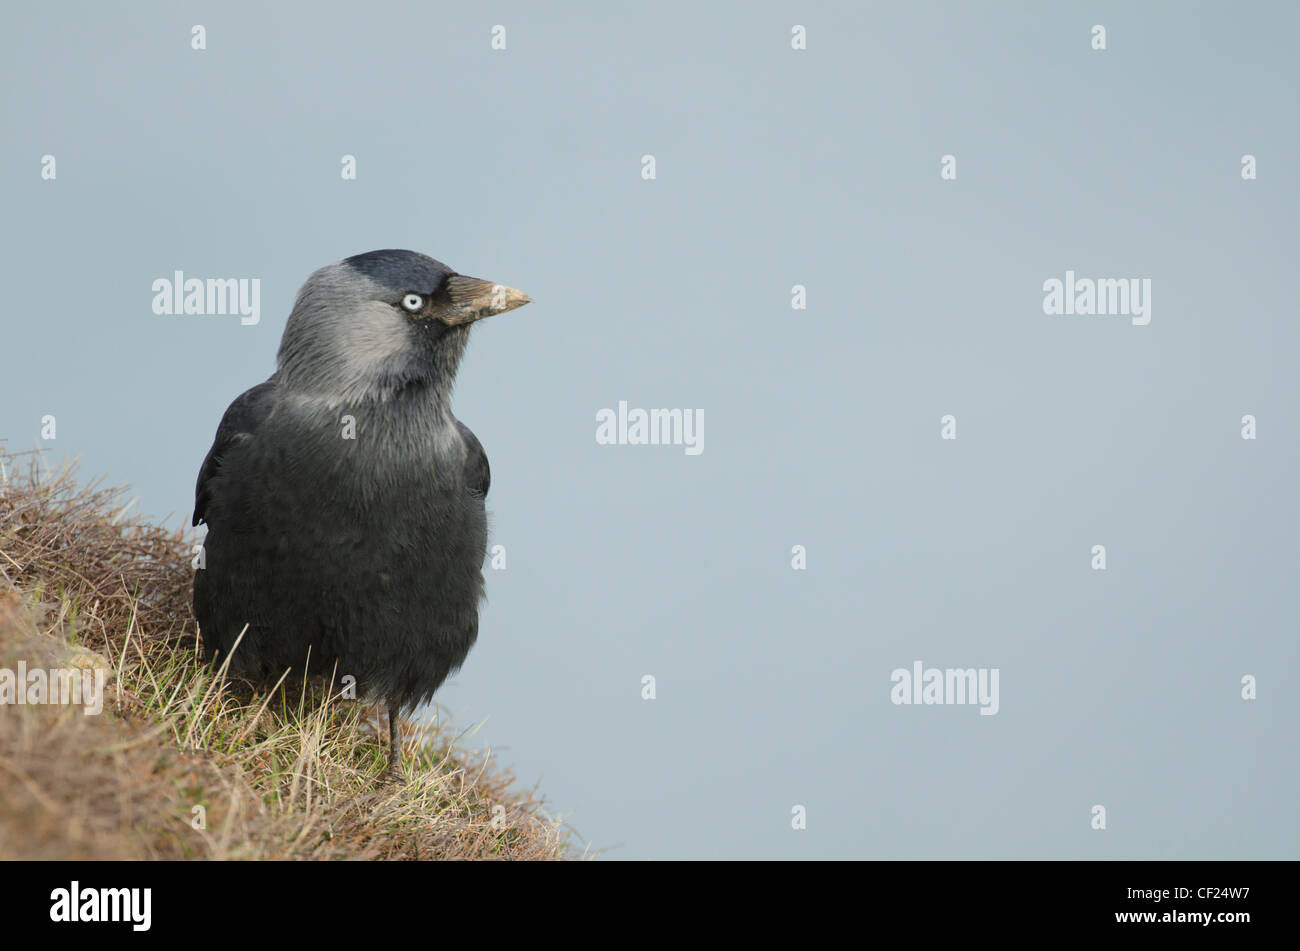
477,474
242,418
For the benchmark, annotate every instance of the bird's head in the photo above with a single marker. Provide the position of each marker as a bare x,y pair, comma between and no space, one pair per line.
373,324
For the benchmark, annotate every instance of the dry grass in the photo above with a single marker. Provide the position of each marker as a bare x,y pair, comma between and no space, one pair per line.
286,774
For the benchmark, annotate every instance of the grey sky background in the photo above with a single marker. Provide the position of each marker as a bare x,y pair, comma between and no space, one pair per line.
775,167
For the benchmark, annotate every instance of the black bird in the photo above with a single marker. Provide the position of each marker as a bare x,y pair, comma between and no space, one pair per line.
344,501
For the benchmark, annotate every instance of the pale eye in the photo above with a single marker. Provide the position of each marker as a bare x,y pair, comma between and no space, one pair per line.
412,302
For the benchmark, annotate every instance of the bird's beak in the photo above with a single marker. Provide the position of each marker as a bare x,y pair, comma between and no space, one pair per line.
472,299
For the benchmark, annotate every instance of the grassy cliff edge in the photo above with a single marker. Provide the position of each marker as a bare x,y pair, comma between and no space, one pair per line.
181,762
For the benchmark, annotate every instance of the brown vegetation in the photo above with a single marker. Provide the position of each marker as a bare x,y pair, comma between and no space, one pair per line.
286,774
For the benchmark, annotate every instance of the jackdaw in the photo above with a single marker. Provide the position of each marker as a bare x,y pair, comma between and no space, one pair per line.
344,501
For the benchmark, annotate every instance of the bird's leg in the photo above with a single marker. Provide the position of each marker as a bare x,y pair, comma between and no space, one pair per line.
394,747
